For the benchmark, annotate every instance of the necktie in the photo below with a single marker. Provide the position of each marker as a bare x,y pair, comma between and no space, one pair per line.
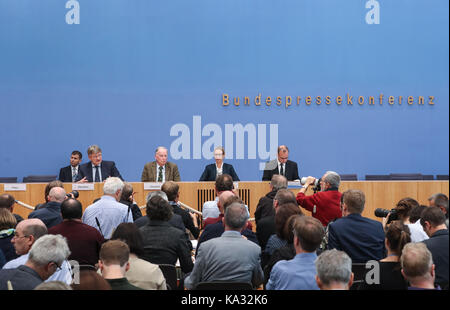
282,169
74,174
160,176
97,174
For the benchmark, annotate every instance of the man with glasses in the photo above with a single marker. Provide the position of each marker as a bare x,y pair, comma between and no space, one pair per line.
45,258
282,166
97,169
26,235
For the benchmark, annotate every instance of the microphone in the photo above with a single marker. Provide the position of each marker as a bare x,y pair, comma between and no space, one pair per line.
99,228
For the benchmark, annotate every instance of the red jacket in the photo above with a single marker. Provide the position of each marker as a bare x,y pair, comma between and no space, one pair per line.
324,206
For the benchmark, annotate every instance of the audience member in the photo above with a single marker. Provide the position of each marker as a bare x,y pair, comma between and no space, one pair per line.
107,213
84,241
299,273
142,273
53,286
403,212
97,169
279,239
51,213
224,182
334,270
70,173
163,243
265,204
324,205
91,281
48,187
127,198
216,230
26,234
230,257
46,256
286,252
173,195
2,259
417,267
160,170
433,222
7,224
414,215
281,165
441,201
8,201
223,197
113,264
360,237
390,277
266,225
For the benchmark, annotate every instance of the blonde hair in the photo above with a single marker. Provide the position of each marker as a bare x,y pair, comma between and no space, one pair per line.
7,219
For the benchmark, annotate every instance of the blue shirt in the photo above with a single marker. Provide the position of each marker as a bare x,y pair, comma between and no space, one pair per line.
298,273
109,214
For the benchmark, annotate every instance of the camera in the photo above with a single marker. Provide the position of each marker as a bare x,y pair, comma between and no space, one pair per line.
393,214
316,184
74,193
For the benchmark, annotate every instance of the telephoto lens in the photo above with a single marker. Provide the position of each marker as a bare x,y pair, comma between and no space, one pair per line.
379,212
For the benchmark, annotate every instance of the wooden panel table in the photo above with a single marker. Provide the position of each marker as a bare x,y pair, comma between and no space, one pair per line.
379,194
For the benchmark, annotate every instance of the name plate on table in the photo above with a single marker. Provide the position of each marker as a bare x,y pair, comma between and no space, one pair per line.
294,184
151,186
14,187
83,187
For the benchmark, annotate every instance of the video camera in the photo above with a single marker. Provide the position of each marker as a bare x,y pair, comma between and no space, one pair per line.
316,184
393,214
75,194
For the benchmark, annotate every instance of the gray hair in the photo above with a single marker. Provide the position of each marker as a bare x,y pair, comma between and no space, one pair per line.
156,193
49,248
236,216
416,260
112,185
93,149
334,266
278,182
161,148
333,178
53,286
57,194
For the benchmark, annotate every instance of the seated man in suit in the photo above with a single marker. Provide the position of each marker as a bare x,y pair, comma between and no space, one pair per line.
160,170
97,170
213,170
282,166
70,173
360,237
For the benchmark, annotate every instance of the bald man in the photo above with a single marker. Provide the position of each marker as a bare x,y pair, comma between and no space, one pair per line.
51,213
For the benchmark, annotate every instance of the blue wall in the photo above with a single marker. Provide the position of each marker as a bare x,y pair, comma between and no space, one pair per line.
132,70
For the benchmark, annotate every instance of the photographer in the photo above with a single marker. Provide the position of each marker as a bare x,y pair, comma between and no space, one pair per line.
324,205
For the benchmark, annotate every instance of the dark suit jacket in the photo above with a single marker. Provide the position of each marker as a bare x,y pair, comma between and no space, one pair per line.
50,215
149,172
291,170
108,169
210,172
438,246
360,237
264,229
65,174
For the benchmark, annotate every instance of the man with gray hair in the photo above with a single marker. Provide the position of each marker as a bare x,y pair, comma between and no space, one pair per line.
324,205
97,169
417,266
265,204
229,258
107,213
51,213
334,270
46,256
160,170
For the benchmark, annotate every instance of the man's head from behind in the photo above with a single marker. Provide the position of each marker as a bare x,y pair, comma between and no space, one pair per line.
113,187
114,254
432,219
308,234
50,185
334,270
282,197
158,209
7,201
57,194
353,201
224,182
27,232
330,179
171,189
417,265
278,182
223,198
71,209
235,217
48,254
